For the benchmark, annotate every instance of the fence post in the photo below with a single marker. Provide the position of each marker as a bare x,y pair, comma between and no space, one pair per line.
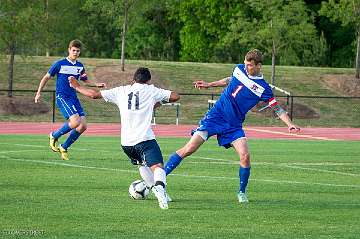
53,106
177,114
291,107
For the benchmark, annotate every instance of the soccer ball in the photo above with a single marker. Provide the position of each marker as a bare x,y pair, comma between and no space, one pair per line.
138,190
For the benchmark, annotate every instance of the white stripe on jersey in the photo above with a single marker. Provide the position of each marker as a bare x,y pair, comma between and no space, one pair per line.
71,70
248,83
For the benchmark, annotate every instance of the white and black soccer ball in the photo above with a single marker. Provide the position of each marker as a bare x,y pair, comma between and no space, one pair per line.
138,190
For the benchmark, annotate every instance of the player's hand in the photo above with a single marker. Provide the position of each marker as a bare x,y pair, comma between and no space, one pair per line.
73,82
201,84
293,129
100,85
37,97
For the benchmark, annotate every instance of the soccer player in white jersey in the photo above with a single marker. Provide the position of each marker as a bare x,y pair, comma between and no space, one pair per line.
66,99
136,103
245,88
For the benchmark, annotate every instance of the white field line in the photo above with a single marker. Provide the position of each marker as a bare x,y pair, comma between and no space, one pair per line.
179,175
232,162
289,134
321,170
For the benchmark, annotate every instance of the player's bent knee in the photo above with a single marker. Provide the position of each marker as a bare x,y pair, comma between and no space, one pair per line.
245,159
81,128
74,122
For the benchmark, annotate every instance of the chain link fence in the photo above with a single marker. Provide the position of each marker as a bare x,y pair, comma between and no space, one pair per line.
306,111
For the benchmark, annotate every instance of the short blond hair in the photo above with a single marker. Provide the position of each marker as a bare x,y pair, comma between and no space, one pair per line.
254,55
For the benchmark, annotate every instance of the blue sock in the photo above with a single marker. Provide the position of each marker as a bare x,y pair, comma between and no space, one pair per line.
244,174
74,135
63,130
172,163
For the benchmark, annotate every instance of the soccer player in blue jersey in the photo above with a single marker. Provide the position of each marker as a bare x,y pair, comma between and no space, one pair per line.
245,88
66,98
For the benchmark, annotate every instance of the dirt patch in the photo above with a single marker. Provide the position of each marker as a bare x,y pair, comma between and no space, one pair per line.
22,106
113,76
347,85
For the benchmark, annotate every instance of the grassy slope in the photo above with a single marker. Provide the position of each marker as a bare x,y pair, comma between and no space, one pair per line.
180,75
291,197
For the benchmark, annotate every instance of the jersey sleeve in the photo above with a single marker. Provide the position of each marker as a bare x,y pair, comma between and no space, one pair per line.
162,95
268,96
54,69
111,95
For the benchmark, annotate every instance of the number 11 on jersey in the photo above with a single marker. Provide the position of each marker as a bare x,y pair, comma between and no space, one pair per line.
130,100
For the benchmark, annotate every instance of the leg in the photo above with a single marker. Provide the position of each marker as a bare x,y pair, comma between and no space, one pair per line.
78,124
241,148
147,175
159,188
54,136
149,153
192,146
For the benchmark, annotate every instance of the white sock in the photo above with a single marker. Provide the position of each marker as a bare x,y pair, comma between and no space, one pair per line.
160,175
147,175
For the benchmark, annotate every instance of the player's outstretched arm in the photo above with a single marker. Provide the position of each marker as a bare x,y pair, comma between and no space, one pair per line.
42,84
200,84
94,84
286,119
94,94
174,96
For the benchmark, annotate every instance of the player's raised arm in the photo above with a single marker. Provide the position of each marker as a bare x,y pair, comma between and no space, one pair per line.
200,84
42,84
91,93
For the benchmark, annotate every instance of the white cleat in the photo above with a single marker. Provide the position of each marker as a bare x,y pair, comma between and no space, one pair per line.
160,194
242,197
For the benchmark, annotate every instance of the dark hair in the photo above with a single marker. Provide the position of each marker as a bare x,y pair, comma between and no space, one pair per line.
142,75
254,55
75,43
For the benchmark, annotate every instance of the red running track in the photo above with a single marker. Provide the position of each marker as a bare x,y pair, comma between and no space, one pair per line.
105,129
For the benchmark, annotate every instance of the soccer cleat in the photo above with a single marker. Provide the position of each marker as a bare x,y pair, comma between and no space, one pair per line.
53,143
242,197
160,194
168,198
64,153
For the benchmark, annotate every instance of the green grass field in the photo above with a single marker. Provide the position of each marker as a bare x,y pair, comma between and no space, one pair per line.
298,189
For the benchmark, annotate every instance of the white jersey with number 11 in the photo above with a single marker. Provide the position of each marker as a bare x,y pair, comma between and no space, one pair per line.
136,105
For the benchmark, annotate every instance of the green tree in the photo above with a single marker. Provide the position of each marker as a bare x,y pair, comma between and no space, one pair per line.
348,13
153,33
280,28
103,22
18,26
204,24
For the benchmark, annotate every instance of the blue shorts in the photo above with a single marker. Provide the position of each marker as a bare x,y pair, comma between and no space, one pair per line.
216,125
147,152
69,106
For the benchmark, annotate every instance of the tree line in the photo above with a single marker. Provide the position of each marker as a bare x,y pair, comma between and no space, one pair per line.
289,32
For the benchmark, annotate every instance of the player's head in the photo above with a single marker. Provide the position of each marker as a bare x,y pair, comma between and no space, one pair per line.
74,49
142,75
253,62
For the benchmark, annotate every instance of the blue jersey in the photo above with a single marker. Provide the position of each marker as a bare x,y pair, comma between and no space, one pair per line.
243,93
63,69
